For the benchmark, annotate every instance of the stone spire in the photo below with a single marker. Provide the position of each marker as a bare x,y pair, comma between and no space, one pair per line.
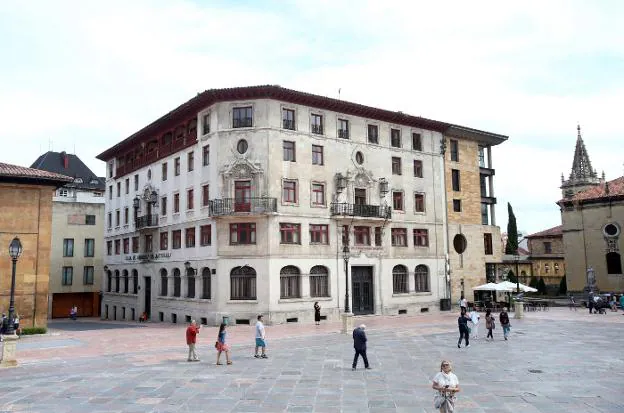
582,175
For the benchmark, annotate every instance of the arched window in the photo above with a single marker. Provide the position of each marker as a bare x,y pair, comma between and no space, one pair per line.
109,281
124,274
319,281
399,279
135,282
421,277
205,283
290,282
163,282
614,263
243,283
177,283
190,283
116,281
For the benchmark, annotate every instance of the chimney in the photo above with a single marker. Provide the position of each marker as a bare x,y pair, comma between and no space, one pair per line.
65,159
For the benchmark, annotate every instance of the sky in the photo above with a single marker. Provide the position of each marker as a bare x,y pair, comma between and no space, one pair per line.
81,76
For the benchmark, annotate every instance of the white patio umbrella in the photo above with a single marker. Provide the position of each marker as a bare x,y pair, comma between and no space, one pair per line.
511,287
486,287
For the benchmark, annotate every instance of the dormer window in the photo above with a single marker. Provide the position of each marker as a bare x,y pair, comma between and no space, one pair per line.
78,180
94,182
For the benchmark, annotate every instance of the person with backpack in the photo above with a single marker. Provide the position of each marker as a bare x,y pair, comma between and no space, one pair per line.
462,323
490,323
504,320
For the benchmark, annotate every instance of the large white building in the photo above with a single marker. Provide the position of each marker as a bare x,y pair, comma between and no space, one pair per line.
257,199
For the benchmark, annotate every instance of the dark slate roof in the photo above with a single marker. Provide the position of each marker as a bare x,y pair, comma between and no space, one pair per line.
55,162
550,232
21,174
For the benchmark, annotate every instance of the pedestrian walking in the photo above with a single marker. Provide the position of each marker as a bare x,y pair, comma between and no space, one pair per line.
16,322
222,345
446,384
504,320
260,339
73,313
462,323
490,323
622,302
572,303
474,318
359,345
463,303
317,313
191,339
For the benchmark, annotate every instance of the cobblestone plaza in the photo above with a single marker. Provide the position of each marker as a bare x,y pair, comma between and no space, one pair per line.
555,361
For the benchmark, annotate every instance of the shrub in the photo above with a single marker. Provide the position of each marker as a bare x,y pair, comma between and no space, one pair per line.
26,331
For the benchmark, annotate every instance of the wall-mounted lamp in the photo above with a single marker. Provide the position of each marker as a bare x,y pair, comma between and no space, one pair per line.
106,268
383,186
189,270
136,202
341,182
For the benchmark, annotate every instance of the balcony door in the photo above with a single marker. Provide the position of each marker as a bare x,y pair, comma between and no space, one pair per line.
242,196
360,201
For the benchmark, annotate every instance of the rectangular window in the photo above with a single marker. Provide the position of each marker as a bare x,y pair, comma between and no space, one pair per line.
487,244
400,281
117,247
176,203
89,247
416,142
317,155
117,218
176,166
87,277
290,233
454,150
418,168
190,204
399,237
206,155
109,220
485,215
397,200
205,235
319,234
68,247
243,233
288,119
547,248
362,235
176,239
289,191
421,237
317,124
206,123
457,205
135,245
136,182
378,236
89,219
126,215
396,165
395,138
455,179
127,186
190,160
164,241
318,194
419,202
126,245
319,284
373,134
205,195
289,151
68,275
110,170
242,117
163,206
110,192
343,128
190,237
118,189
290,286
109,247
149,243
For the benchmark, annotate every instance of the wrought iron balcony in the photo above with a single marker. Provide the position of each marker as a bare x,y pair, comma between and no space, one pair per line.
288,124
249,206
146,221
343,133
318,129
365,211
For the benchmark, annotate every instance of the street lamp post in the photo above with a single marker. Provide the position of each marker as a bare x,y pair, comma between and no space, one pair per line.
517,259
519,308
15,250
345,257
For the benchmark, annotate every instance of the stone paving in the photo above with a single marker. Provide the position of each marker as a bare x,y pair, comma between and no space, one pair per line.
555,361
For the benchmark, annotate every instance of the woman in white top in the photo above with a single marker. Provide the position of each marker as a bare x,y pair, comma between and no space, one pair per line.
446,384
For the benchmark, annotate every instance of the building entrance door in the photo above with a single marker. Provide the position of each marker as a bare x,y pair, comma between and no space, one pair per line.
362,287
148,296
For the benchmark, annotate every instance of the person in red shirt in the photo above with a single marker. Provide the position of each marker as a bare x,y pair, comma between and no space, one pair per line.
191,339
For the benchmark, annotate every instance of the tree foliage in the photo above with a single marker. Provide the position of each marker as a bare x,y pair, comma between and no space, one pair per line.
563,286
512,232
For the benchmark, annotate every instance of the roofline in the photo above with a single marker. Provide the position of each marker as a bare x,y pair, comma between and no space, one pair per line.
589,201
24,179
212,96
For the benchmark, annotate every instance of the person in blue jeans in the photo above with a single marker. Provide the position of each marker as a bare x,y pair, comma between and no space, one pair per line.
504,321
462,323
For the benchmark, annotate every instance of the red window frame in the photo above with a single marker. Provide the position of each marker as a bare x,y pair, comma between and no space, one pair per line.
189,237
176,239
397,200
418,168
378,236
243,233
176,166
126,245
290,151
399,237
289,191
242,196
290,233
421,237
135,245
205,235
317,155
164,241
419,202
318,191
319,234
205,194
361,235
190,161
117,247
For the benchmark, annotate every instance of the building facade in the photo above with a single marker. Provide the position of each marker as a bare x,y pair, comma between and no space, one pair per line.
265,200
26,205
76,259
546,254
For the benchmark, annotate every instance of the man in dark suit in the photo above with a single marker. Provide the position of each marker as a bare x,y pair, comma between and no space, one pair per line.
359,344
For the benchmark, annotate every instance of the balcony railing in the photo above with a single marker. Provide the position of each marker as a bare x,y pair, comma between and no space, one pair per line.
366,211
146,221
288,124
343,133
318,129
249,206
242,122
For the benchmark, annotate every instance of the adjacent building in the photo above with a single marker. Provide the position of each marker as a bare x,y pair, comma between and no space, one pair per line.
265,200
546,255
77,237
26,205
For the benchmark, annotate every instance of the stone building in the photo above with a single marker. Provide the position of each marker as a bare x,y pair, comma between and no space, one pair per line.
26,205
264,200
546,254
77,237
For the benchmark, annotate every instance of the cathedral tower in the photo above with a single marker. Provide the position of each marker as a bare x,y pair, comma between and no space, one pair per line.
582,175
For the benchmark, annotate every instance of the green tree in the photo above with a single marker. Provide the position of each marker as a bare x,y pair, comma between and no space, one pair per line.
511,277
512,232
563,286
541,286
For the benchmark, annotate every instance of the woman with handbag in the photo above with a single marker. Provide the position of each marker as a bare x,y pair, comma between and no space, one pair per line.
489,323
447,385
221,345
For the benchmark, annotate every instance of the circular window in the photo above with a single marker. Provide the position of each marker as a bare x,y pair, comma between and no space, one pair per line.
460,243
611,230
359,158
149,174
242,146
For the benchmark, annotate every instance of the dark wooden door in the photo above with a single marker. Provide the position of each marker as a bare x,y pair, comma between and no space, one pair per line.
148,296
362,287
